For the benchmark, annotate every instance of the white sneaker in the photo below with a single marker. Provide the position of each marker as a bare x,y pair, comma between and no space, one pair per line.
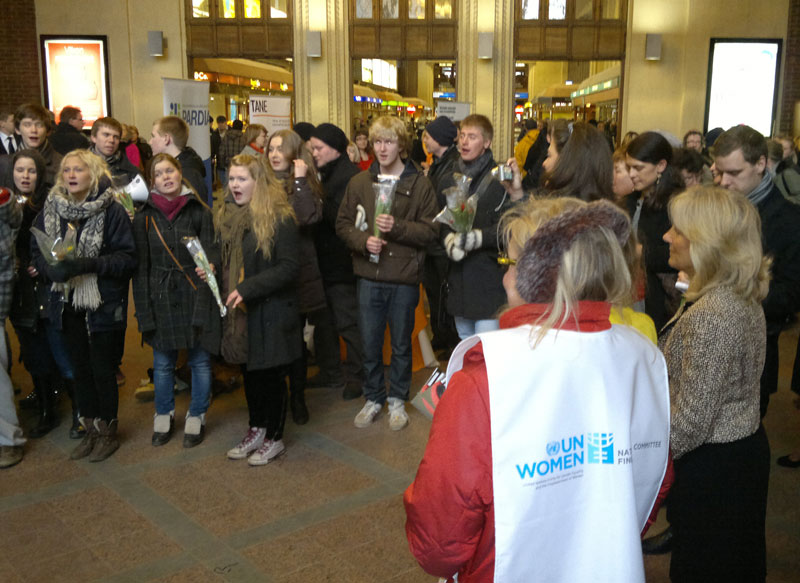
367,414
268,451
398,418
251,442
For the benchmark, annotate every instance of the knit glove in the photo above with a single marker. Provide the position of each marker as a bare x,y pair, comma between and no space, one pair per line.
473,240
454,246
68,268
361,218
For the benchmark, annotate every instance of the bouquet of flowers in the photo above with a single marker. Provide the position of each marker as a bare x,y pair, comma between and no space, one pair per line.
58,248
384,200
201,260
459,214
124,198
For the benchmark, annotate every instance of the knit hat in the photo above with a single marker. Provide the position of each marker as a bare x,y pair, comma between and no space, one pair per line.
540,260
442,130
304,130
331,135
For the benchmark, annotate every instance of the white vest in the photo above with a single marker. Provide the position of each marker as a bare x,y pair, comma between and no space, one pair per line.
580,437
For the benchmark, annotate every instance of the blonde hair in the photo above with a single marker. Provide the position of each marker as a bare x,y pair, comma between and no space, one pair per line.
97,168
390,128
269,205
724,233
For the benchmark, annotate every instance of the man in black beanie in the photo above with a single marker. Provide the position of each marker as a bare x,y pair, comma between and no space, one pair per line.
329,149
439,138
304,130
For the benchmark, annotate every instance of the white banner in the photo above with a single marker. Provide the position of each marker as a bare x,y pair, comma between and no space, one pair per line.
272,112
189,101
455,110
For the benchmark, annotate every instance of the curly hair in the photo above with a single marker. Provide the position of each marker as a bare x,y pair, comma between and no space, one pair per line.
98,169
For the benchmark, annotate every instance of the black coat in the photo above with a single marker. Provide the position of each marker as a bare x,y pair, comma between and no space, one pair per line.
332,253
115,266
194,171
52,160
443,168
308,208
66,138
269,291
172,314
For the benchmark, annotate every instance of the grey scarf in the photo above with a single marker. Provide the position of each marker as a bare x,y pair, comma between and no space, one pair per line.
761,191
60,205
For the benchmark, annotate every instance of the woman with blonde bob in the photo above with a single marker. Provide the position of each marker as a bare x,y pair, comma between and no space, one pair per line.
260,264
537,446
715,348
89,291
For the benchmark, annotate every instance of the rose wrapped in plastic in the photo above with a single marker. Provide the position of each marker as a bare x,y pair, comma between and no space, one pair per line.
201,260
58,248
459,214
124,198
384,200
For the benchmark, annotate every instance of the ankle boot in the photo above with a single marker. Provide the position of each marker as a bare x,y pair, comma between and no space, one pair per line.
297,403
48,417
88,442
107,442
29,401
76,431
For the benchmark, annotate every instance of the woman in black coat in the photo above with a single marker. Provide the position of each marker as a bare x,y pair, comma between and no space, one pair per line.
260,241
175,308
89,295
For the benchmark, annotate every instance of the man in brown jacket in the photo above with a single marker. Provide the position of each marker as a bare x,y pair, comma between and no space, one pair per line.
389,266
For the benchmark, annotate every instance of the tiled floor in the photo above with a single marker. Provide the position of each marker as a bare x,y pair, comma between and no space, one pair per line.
329,510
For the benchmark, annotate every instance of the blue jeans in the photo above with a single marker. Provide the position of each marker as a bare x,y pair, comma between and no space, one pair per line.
381,304
467,328
164,380
58,347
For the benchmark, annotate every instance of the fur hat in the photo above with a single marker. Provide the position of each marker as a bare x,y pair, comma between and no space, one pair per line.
331,135
540,260
442,130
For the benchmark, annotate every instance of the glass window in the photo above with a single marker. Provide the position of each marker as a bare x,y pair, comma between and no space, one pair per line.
610,9
228,9
443,9
252,8
583,10
199,8
416,9
557,10
391,9
530,9
363,8
278,9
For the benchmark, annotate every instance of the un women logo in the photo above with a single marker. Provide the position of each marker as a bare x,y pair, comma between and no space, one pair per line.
553,448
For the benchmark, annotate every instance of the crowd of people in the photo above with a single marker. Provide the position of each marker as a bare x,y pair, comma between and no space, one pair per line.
611,316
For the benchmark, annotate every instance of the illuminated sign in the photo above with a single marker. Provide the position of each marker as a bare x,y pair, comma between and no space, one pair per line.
76,73
519,109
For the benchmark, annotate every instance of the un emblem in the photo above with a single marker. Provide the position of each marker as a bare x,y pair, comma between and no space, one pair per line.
552,448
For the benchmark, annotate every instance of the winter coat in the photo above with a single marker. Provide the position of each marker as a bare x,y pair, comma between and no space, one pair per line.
52,160
475,284
443,167
194,171
31,294
122,170
308,209
115,266
66,138
172,313
10,219
230,145
333,255
403,257
269,291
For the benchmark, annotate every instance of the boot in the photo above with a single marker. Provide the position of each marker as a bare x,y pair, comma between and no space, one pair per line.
30,401
297,386
48,417
297,403
76,431
107,442
88,442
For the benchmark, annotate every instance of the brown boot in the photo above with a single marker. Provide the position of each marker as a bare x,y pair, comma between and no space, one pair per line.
87,444
107,442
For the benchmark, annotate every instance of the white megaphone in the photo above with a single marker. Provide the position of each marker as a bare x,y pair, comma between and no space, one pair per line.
137,189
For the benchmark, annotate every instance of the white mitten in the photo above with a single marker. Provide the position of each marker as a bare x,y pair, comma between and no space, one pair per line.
454,246
361,218
473,240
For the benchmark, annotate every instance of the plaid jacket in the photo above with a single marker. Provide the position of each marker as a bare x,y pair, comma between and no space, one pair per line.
10,219
232,145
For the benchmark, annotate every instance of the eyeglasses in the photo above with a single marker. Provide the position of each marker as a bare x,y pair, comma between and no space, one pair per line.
505,260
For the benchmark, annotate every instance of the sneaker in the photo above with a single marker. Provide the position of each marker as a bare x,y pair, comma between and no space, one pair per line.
145,392
367,414
10,455
251,442
398,418
268,451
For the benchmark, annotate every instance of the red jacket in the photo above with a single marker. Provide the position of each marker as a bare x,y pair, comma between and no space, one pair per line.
450,506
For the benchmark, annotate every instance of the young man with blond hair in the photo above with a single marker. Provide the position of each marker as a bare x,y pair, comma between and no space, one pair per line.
388,290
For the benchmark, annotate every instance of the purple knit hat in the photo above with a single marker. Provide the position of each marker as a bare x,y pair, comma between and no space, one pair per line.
540,260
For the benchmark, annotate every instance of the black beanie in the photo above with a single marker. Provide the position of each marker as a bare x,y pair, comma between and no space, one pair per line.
331,135
304,130
442,130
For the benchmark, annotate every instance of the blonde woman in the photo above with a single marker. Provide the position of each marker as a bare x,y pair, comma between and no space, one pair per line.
715,348
89,293
259,237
